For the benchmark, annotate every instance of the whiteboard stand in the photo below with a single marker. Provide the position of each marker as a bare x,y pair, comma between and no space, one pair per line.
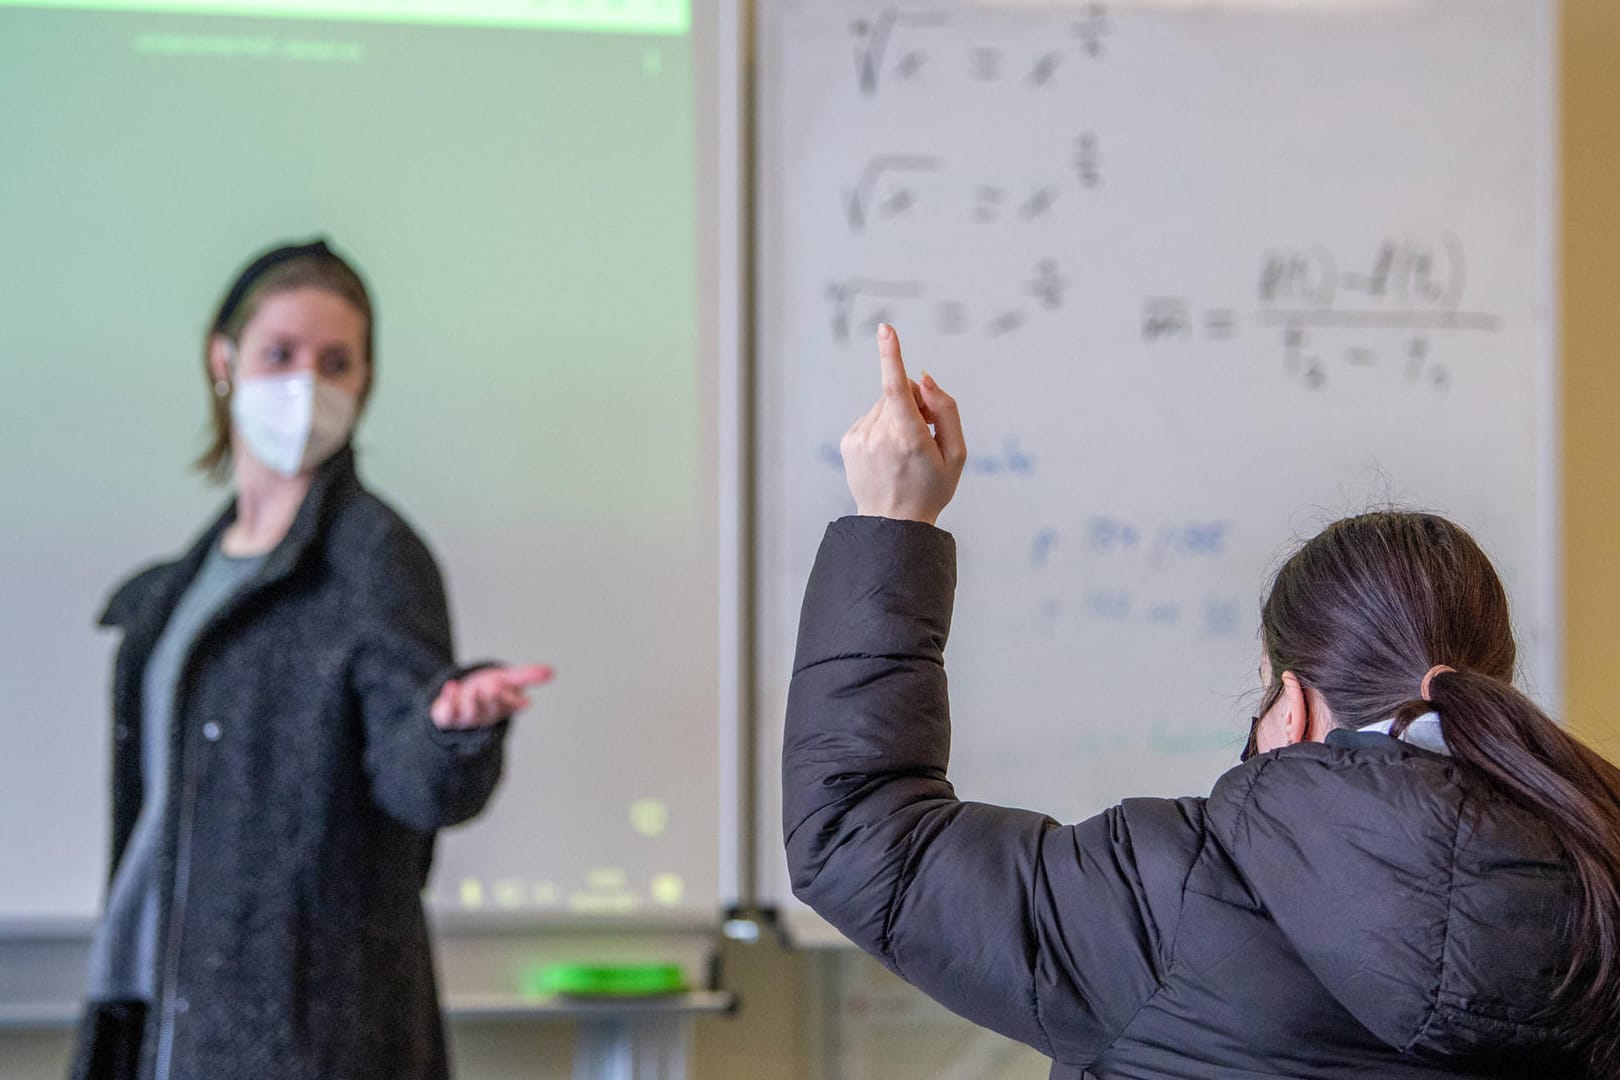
650,1048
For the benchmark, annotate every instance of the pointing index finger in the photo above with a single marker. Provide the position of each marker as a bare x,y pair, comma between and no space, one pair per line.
895,383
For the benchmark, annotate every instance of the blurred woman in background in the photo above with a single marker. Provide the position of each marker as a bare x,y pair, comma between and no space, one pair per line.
290,729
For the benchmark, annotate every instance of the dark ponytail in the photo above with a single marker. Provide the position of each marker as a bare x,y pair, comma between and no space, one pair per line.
1361,613
1499,735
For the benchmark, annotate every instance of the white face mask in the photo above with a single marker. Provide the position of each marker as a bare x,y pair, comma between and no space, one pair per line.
292,422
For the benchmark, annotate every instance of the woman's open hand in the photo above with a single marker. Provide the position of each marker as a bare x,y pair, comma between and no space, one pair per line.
896,466
485,697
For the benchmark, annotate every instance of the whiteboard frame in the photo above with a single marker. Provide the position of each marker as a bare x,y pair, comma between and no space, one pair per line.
802,926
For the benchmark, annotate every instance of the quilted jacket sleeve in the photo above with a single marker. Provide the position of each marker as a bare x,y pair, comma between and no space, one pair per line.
421,776
1051,935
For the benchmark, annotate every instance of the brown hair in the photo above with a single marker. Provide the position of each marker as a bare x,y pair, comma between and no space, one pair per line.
319,270
1361,612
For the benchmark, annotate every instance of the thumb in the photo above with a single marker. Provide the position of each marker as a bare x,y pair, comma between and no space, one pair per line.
946,420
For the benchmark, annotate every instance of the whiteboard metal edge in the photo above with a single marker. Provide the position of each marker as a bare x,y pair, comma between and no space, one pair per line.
1550,648
770,891
798,924
734,307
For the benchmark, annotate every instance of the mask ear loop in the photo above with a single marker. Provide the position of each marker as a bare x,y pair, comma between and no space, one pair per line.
1252,747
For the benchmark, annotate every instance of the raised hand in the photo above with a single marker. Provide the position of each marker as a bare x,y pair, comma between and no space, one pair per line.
895,465
485,697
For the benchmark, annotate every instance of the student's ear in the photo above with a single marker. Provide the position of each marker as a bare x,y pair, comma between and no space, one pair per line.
1294,709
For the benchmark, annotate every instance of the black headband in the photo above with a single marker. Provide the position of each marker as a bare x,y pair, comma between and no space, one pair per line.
261,266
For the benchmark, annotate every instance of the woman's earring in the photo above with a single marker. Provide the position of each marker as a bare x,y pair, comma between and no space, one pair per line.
222,388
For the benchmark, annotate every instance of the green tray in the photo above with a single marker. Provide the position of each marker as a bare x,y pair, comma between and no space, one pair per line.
606,980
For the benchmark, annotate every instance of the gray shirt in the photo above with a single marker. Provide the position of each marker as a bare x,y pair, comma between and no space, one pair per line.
123,956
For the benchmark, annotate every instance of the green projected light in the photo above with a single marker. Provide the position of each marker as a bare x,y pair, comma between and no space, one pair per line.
602,16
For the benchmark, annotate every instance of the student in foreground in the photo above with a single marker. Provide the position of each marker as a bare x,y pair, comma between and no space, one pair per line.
1414,872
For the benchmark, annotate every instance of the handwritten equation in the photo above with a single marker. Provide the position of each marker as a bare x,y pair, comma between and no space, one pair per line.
1207,616
897,186
1334,318
1109,535
857,305
1103,546
899,47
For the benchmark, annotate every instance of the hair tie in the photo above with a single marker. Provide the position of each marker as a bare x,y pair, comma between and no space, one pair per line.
1423,688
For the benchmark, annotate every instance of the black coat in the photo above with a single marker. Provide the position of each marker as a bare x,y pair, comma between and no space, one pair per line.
306,782
1353,909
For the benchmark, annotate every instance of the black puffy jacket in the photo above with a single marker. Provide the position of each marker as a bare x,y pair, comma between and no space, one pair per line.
306,784
1350,909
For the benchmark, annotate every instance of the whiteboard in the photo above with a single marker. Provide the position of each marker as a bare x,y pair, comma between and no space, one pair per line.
554,407
1202,277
